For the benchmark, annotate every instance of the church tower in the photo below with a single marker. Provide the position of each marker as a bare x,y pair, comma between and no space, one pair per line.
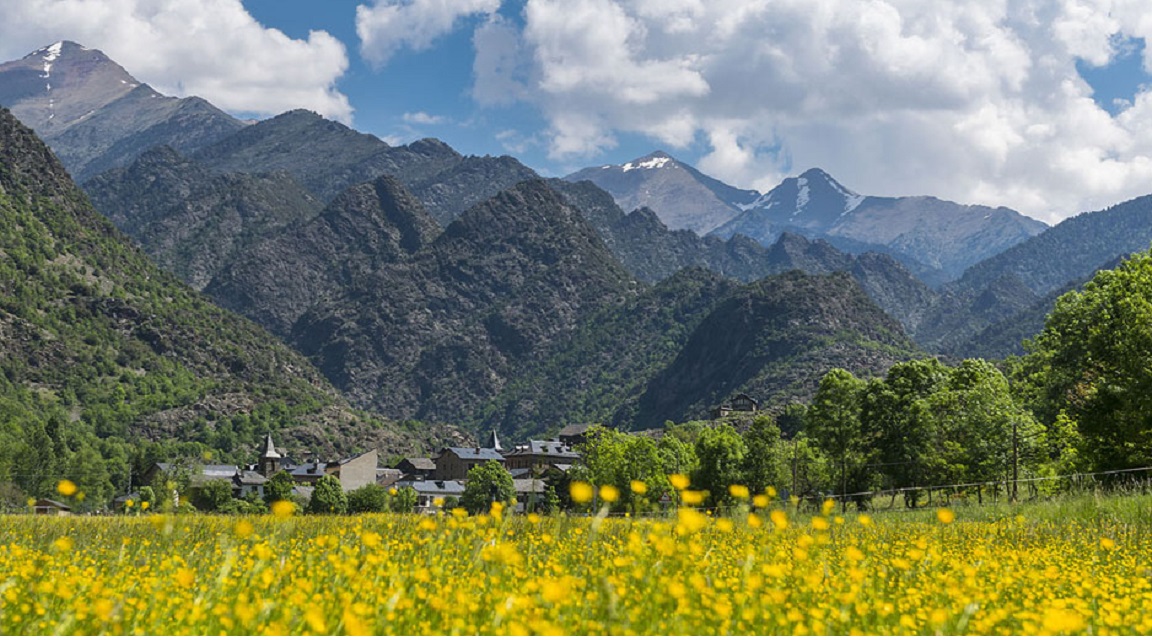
269,460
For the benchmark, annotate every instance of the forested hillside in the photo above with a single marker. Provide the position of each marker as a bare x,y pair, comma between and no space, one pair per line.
108,361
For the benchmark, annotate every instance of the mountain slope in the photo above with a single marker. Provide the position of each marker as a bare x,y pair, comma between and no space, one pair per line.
96,116
774,339
937,233
279,279
439,335
103,351
194,222
681,196
325,157
601,369
1070,251
649,250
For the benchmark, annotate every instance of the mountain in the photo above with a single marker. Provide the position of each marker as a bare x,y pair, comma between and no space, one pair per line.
437,337
105,356
681,196
774,339
277,280
599,371
937,233
325,157
192,221
1070,251
96,116
652,252
1003,299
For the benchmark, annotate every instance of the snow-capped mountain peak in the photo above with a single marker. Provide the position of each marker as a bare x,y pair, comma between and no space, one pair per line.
681,196
656,160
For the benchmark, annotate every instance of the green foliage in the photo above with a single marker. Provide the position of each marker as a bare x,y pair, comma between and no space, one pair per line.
404,500
763,464
720,452
328,497
1090,364
213,495
370,498
616,459
487,483
279,487
833,422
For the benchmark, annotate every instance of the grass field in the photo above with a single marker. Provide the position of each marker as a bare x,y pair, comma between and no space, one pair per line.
1080,565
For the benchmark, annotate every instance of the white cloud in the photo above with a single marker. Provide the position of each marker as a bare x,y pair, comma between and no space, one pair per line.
387,26
972,101
420,117
211,48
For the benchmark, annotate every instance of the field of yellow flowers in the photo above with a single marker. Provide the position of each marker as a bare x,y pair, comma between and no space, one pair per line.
758,571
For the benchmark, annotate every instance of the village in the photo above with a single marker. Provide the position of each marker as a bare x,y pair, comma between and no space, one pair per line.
437,482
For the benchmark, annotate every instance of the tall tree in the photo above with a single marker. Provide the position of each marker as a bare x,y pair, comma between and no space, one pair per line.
763,464
721,452
833,422
897,410
1092,363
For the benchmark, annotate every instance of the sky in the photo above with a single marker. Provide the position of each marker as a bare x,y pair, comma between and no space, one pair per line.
1044,106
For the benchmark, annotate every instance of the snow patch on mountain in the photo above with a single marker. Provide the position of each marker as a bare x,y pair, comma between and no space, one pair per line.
651,163
803,194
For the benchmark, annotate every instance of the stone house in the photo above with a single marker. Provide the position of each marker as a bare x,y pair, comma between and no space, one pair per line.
741,403
574,434
356,471
453,463
417,468
539,454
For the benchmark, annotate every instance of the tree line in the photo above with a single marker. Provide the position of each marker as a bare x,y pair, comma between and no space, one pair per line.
1078,401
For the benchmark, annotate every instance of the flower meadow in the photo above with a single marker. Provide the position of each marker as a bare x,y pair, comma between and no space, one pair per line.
755,571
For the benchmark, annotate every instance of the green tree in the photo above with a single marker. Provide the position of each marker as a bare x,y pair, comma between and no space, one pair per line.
279,487
487,483
896,409
1091,363
763,466
213,495
328,496
833,422
720,452
370,498
404,500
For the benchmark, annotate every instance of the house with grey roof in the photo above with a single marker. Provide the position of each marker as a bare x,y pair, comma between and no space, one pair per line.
453,463
540,454
427,492
417,468
575,434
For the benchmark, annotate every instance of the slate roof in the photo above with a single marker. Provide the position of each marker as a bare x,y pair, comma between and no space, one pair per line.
307,470
252,478
475,453
434,487
552,448
575,429
420,464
